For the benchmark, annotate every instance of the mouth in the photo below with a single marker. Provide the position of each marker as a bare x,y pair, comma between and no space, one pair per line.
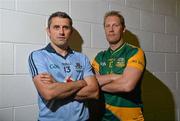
61,37
111,35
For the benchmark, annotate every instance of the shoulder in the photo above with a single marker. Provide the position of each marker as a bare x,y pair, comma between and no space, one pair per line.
79,54
132,50
100,55
37,53
136,58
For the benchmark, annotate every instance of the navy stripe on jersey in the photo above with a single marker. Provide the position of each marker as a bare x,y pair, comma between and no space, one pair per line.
32,66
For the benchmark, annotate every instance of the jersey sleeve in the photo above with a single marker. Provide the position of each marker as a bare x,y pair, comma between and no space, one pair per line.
95,65
88,68
97,60
36,63
137,60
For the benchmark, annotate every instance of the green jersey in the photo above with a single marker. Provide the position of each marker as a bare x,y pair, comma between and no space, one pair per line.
107,62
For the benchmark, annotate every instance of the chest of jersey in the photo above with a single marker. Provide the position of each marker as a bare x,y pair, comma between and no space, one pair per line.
113,64
63,69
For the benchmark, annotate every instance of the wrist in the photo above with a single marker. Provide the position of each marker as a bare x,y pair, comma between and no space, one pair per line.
82,83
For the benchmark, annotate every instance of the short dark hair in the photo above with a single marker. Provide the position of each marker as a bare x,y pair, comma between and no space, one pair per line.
115,13
60,15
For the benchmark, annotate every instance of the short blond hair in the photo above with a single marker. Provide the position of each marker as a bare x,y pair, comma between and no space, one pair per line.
115,13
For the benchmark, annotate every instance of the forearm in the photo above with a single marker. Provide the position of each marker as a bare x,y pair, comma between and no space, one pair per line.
114,87
115,84
106,79
51,90
91,91
125,82
103,79
87,93
64,90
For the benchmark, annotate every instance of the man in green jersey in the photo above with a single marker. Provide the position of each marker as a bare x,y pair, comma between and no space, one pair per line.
119,70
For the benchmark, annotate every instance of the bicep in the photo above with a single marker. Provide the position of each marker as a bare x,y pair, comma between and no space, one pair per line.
132,75
46,85
40,86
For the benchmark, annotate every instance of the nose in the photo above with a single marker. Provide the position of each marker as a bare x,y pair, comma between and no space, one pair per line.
111,28
61,30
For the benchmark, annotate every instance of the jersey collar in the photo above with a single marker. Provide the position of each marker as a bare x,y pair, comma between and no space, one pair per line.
50,49
117,50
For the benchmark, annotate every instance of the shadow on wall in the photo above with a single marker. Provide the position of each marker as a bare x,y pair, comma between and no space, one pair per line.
76,41
157,98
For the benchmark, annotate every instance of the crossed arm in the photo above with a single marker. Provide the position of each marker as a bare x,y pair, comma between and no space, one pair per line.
80,89
125,82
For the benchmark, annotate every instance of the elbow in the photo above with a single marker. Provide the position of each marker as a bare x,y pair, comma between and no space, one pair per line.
128,88
48,95
96,94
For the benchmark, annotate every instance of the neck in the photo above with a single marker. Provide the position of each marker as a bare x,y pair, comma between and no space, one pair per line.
60,50
114,46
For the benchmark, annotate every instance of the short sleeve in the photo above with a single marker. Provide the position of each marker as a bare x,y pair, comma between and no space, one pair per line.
88,68
137,60
95,65
36,63
97,60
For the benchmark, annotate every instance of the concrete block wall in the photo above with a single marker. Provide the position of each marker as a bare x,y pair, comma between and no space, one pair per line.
155,23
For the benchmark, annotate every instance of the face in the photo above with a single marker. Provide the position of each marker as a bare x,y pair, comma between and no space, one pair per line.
113,29
59,32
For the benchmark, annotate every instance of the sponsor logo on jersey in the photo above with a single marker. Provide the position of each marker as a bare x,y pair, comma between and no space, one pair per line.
120,62
138,62
110,62
78,67
53,66
103,63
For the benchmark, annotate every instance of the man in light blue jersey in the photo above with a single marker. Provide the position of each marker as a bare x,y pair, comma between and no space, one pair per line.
63,77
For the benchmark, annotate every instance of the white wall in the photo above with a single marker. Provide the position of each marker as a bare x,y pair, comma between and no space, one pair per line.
22,29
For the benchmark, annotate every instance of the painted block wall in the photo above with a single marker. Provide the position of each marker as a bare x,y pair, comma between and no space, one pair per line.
153,25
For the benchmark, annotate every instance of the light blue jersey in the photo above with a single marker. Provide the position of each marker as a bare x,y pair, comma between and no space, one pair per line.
74,66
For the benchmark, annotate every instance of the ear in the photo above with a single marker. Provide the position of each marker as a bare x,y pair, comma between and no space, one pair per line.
124,30
72,29
48,31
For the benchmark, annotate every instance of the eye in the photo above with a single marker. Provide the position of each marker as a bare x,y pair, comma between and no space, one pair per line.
66,27
107,26
116,25
56,27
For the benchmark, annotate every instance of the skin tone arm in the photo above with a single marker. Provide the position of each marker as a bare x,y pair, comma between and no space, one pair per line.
120,83
49,88
90,91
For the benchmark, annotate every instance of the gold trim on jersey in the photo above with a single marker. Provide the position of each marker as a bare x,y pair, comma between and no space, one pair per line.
95,65
137,60
126,113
